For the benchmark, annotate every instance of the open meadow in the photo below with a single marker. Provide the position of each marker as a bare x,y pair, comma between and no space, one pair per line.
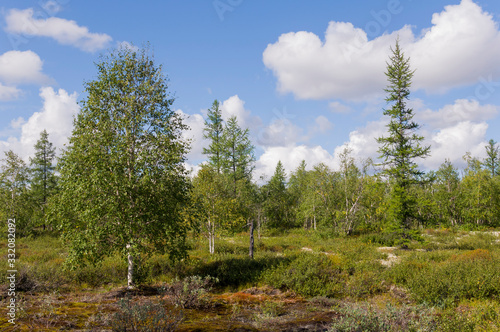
301,281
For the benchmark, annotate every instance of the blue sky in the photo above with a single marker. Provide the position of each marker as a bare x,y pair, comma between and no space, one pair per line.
306,78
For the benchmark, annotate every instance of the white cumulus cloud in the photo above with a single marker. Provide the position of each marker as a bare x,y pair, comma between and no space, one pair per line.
66,32
196,123
461,46
234,106
450,131
290,156
21,67
56,116
8,92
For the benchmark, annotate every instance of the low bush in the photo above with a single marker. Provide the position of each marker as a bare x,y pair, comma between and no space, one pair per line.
191,292
309,275
238,271
366,317
467,275
394,238
144,317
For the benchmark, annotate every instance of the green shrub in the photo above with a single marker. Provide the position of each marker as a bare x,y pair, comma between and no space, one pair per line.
309,275
452,321
145,317
272,309
393,238
191,292
365,317
363,284
467,275
112,270
237,271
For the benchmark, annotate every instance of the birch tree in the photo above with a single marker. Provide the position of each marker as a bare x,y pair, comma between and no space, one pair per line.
123,182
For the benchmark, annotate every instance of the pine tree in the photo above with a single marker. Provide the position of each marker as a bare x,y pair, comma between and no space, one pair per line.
43,178
213,131
400,149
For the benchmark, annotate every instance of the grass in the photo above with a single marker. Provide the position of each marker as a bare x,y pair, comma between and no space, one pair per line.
298,277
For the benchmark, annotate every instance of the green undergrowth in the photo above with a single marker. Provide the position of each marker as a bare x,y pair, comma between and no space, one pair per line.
451,275
443,278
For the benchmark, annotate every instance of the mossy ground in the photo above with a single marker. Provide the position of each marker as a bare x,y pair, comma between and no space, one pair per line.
282,289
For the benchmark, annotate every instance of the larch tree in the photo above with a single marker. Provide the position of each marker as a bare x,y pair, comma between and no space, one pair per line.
277,199
238,157
43,179
401,147
122,177
213,131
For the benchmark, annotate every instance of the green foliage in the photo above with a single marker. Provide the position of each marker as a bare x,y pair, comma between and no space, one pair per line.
43,180
366,317
402,146
395,237
447,194
469,275
309,275
479,196
234,271
145,317
271,309
213,131
214,204
238,157
16,201
190,292
349,210
492,161
277,200
123,183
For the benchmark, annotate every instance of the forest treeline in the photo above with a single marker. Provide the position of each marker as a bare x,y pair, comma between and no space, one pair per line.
351,199
120,185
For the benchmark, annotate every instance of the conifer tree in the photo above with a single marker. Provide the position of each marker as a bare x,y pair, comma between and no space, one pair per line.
402,145
213,131
276,205
43,178
492,161
238,157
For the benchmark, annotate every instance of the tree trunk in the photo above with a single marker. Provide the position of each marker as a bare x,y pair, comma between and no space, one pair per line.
251,239
209,236
212,249
258,225
130,272
314,217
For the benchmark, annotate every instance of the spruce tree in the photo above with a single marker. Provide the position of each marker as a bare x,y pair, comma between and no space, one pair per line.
402,145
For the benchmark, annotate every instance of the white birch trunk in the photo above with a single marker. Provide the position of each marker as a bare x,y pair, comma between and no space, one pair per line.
130,272
209,236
